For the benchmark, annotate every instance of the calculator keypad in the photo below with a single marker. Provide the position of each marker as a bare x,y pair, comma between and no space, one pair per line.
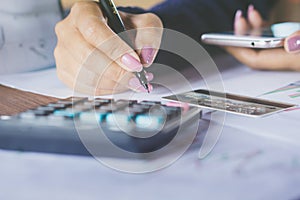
145,115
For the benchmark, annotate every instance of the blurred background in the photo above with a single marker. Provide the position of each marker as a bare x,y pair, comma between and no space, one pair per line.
286,10
139,3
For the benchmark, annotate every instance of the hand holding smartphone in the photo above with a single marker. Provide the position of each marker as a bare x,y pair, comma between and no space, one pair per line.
270,37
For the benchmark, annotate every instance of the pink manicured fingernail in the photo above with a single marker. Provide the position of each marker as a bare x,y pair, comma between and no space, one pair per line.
132,63
294,43
149,76
150,87
238,14
147,55
250,8
135,84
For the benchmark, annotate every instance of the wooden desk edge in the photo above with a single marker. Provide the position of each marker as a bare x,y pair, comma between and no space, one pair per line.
13,101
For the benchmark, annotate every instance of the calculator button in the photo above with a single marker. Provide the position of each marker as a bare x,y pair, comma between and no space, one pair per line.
139,106
37,113
135,111
27,115
115,106
73,100
57,105
92,116
41,112
133,102
93,104
172,111
106,101
68,113
118,120
65,103
82,107
146,107
45,108
157,110
146,121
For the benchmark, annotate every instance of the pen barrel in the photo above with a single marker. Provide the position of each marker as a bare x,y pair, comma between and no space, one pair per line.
116,24
142,77
114,20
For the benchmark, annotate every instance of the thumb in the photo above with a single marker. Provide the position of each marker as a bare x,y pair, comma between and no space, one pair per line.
292,43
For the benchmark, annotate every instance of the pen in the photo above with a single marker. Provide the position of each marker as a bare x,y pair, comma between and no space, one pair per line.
116,24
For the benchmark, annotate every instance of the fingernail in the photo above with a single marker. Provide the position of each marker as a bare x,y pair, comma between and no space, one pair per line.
150,87
250,8
238,14
132,63
149,76
135,84
147,55
294,43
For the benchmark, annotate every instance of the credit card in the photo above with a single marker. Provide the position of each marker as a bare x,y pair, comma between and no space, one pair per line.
230,103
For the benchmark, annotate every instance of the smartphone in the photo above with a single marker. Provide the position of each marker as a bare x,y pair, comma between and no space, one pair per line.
258,38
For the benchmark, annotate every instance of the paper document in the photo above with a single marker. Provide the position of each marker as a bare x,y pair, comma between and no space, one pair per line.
44,82
287,93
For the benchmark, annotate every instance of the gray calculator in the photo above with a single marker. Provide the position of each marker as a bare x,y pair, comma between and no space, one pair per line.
138,127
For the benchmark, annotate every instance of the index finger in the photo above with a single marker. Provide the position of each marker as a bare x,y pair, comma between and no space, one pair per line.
89,20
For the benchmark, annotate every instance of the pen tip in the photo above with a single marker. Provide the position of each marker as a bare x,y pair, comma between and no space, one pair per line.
147,88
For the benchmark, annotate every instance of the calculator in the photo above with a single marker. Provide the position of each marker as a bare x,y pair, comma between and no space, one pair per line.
58,127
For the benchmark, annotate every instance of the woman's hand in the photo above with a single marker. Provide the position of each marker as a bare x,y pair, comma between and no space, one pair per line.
92,59
286,58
